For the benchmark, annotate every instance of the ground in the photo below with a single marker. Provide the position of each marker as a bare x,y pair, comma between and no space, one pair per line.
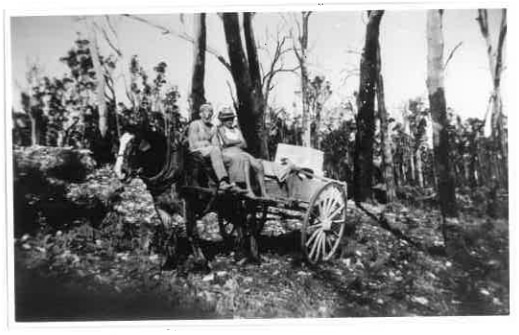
107,268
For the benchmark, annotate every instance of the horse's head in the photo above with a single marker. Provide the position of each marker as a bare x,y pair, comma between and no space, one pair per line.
126,164
146,153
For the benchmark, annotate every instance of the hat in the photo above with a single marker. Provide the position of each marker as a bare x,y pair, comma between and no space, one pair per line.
225,114
205,106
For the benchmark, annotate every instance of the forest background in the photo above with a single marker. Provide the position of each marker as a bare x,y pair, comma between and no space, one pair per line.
397,103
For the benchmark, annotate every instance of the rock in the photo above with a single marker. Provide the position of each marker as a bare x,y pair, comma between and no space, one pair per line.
420,300
484,292
208,278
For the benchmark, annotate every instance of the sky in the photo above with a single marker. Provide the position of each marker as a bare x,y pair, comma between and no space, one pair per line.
335,39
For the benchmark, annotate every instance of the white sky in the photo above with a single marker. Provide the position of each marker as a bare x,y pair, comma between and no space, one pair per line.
335,38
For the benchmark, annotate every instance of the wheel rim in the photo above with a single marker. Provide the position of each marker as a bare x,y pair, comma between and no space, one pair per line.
324,223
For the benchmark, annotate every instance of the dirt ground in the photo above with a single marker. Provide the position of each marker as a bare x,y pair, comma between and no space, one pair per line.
108,272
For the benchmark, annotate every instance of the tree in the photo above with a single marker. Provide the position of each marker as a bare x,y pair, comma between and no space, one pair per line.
275,67
301,55
319,91
29,104
385,139
363,156
245,73
100,81
417,120
495,59
197,81
438,108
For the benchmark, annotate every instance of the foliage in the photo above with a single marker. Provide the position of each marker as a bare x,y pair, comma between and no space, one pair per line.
64,109
154,103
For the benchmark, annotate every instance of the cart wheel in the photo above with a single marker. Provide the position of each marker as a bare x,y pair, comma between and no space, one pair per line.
227,229
324,223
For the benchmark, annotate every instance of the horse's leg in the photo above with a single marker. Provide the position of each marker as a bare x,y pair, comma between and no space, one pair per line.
253,233
192,233
238,223
167,240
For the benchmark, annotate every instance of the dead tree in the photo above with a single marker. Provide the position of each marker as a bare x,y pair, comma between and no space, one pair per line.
438,108
363,155
301,54
275,67
100,87
385,139
495,59
197,80
249,96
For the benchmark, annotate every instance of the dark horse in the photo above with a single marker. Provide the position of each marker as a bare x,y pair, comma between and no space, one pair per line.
166,167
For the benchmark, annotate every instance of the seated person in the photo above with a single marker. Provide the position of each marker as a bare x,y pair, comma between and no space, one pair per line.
200,135
230,139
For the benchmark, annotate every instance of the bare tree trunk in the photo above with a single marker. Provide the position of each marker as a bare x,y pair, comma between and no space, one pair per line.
100,88
412,173
256,79
301,57
35,129
387,156
317,136
437,103
250,113
363,155
419,167
197,80
495,59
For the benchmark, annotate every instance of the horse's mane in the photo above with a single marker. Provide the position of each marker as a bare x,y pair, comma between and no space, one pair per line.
170,148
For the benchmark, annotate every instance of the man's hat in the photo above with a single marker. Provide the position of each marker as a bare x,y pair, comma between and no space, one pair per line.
225,114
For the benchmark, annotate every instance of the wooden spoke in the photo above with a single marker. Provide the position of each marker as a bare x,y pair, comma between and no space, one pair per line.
316,243
315,226
323,244
314,234
335,212
326,209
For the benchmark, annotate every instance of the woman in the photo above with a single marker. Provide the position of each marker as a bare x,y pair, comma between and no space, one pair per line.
231,141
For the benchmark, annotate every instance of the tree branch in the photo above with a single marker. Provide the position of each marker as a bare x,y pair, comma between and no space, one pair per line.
183,36
451,54
109,40
500,43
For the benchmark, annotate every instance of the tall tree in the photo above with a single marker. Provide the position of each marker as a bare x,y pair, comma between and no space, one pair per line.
257,84
29,103
100,85
363,155
495,59
301,55
387,155
438,108
276,65
197,80
250,102
319,91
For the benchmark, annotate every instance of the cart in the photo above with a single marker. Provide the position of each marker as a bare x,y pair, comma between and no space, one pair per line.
304,194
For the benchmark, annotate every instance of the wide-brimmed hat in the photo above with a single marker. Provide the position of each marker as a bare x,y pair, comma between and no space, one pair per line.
225,114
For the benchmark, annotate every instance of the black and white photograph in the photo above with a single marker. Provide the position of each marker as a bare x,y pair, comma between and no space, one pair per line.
222,163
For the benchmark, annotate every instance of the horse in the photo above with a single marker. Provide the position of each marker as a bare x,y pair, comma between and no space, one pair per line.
165,166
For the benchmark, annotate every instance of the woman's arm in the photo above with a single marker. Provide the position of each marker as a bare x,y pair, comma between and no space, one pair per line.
242,144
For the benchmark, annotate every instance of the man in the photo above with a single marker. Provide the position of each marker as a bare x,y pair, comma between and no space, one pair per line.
231,141
200,136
